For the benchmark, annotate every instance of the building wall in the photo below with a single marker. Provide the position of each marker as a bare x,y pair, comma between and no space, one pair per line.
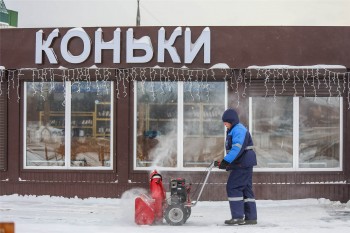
268,185
260,46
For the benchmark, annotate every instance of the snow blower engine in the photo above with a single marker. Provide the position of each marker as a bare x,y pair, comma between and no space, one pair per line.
178,208
175,209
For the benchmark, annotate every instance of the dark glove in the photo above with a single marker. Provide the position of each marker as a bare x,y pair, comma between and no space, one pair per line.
216,163
223,164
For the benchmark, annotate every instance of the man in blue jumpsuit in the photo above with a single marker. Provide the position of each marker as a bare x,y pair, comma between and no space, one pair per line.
239,160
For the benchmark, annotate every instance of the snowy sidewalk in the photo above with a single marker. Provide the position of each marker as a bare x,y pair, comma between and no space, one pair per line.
62,215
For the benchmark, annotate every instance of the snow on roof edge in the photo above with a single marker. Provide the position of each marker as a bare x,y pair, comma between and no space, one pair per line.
220,66
319,66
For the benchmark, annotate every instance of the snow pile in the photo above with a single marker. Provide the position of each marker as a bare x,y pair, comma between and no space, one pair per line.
45,214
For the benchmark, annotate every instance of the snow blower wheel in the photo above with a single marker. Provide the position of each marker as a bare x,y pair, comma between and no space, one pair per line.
176,215
188,213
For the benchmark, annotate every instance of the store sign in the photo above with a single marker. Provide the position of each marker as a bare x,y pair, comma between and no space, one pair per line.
144,43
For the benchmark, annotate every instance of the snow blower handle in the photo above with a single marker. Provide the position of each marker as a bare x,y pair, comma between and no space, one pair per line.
204,183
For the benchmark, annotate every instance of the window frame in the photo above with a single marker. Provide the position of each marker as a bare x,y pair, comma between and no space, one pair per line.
180,136
67,137
296,118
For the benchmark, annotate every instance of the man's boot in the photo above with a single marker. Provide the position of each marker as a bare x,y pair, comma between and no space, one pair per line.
250,222
235,221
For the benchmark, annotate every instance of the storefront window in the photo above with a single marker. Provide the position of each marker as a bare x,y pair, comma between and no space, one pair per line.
203,129
157,115
45,121
319,130
272,131
297,132
68,125
179,124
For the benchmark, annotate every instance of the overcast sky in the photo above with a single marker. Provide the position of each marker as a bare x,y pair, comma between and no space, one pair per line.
103,13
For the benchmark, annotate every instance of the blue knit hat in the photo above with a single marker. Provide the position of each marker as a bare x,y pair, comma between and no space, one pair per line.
230,116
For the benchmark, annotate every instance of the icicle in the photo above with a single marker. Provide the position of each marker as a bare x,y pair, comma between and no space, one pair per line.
329,85
117,73
313,84
19,74
294,83
64,80
274,86
267,79
52,82
338,82
284,81
2,74
348,90
304,82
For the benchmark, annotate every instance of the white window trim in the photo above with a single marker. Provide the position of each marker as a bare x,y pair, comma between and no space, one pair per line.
67,123
180,125
296,140
67,134
296,114
180,118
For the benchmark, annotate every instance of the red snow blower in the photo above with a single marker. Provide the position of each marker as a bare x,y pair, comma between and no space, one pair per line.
175,210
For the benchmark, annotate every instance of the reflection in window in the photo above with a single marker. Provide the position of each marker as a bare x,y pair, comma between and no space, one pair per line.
317,137
203,129
45,124
319,129
156,124
272,131
159,107
90,126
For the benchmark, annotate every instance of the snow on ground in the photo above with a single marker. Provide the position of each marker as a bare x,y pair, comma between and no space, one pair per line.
44,214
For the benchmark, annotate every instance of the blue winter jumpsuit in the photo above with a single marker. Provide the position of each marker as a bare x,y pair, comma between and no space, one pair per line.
240,159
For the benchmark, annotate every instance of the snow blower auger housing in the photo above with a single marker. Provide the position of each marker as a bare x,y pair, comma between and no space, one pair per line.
151,209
